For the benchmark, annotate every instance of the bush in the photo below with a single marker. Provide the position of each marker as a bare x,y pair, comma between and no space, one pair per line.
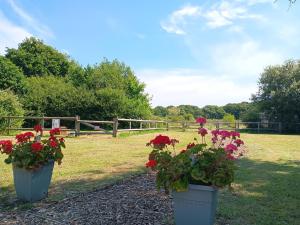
229,118
11,77
10,106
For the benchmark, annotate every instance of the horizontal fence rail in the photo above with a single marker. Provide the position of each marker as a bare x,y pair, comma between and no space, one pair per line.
76,126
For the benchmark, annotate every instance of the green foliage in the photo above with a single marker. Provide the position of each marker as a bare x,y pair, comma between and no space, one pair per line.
252,114
229,118
160,111
279,92
53,96
37,59
236,109
190,109
115,75
10,105
213,112
11,77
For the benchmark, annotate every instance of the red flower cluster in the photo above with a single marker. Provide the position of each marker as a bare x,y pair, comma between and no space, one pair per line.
38,128
161,140
151,163
6,146
53,144
201,120
21,138
202,131
36,147
54,131
190,145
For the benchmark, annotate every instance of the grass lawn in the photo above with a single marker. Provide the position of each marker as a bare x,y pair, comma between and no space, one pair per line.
266,190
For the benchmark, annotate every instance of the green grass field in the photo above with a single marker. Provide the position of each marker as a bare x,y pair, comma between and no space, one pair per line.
266,190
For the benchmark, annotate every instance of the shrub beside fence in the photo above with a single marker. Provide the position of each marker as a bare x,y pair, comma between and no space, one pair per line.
76,126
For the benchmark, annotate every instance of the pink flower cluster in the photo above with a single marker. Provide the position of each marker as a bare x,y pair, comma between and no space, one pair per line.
230,141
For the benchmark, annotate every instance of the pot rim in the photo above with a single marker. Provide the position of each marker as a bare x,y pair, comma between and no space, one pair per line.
202,187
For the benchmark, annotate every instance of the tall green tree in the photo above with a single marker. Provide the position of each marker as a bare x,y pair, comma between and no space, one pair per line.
35,58
279,92
11,77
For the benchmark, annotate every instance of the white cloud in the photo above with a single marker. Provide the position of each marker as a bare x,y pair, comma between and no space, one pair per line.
255,2
187,86
10,34
244,60
223,13
40,28
176,21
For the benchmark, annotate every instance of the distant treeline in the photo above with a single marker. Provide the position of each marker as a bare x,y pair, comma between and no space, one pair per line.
230,112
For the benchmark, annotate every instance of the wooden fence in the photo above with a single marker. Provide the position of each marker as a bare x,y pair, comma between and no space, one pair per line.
126,125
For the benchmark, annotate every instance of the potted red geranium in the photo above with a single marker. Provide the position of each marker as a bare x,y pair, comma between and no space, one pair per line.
195,174
33,160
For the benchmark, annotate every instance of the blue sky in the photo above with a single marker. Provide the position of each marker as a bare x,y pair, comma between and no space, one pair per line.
187,52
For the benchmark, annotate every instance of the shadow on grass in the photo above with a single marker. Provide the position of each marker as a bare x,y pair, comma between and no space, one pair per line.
60,189
265,193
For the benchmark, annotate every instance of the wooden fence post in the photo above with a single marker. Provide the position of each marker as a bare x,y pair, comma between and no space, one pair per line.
42,124
115,127
130,125
77,125
258,127
167,124
183,126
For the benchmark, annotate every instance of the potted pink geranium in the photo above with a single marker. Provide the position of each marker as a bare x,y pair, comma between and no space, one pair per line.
195,174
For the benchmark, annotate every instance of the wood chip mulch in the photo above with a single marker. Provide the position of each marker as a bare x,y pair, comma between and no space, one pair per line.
134,201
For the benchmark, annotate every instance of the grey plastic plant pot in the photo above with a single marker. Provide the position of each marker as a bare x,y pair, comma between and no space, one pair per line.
32,185
197,206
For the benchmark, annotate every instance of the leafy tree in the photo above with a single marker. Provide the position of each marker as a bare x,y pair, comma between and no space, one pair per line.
252,114
10,106
236,108
77,75
279,92
190,109
53,96
115,75
189,117
11,77
38,59
213,112
160,111
229,118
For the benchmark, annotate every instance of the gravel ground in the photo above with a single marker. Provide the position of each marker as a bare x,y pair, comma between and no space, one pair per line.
134,201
